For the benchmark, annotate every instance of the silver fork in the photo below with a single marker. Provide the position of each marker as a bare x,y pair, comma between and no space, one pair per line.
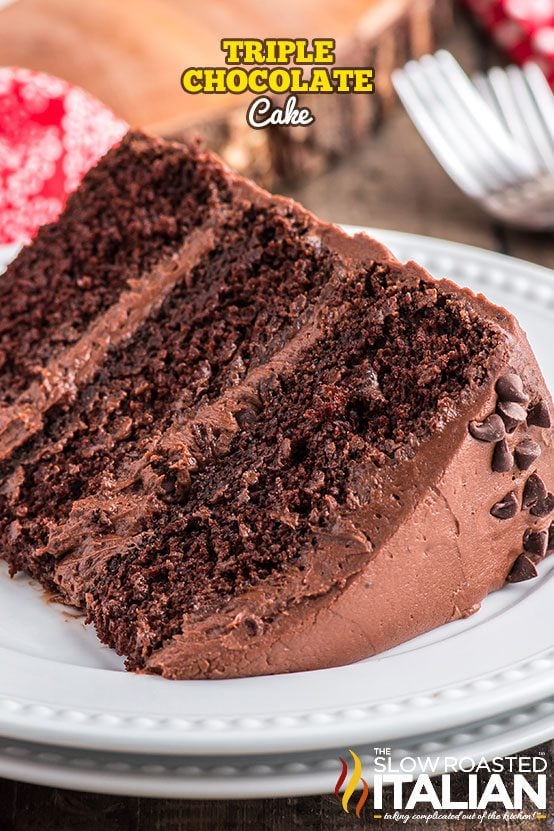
495,139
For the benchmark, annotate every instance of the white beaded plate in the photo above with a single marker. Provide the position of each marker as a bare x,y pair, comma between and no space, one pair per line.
59,686
222,777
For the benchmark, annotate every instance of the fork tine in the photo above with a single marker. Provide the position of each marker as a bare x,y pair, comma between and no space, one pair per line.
419,112
473,150
422,75
478,147
502,92
485,123
484,88
542,94
543,99
531,118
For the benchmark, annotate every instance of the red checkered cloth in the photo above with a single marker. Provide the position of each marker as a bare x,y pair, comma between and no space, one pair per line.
51,133
524,29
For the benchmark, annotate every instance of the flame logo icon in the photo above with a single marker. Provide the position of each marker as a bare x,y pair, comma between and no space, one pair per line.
352,784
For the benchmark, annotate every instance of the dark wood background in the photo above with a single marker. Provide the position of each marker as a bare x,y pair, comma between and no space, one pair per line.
393,182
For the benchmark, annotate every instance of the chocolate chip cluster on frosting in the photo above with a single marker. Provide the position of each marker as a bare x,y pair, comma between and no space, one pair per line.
513,408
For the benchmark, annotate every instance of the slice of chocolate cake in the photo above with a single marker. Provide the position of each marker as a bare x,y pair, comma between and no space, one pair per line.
243,442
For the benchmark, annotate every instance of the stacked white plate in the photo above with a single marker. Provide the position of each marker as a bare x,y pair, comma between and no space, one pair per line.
70,716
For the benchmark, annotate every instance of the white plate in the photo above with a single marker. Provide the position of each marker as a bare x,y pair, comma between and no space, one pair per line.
262,776
58,685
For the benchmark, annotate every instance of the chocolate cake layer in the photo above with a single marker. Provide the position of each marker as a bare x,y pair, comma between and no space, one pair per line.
225,314
288,451
131,211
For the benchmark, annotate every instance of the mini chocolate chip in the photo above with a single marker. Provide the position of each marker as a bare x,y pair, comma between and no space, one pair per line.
544,507
538,415
534,491
245,418
526,452
506,508
535,542
268,386
113,564
522,569
511,413
510,388
502,458
550,545
252,625
491,429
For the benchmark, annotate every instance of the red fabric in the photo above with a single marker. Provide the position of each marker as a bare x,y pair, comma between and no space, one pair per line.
524,29
51,133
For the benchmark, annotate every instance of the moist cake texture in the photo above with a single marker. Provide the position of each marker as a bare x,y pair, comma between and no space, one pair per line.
242,442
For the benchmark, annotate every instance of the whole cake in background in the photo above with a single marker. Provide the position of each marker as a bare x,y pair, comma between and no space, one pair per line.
244,443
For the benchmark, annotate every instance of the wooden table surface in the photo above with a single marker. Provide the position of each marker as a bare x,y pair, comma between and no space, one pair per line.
394,183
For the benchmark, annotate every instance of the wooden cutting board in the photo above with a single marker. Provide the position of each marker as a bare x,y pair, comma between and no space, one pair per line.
130,54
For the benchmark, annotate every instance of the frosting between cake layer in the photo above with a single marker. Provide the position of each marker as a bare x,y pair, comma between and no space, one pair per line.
66,373
217,422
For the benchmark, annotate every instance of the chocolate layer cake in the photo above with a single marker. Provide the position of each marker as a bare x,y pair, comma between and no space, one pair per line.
242,442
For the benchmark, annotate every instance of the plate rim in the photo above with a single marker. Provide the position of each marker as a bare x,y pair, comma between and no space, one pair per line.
220,778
